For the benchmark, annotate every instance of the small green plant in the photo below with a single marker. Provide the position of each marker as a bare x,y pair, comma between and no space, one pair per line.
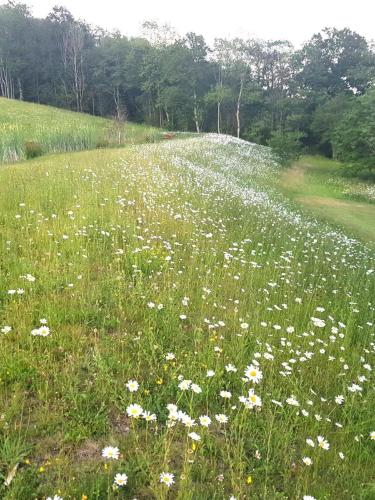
102,142
286,145
33,149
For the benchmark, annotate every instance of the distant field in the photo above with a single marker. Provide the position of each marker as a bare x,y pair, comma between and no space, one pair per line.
318,184
171,321
57,130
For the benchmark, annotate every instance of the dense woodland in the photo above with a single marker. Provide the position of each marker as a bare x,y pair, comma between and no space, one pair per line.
320,98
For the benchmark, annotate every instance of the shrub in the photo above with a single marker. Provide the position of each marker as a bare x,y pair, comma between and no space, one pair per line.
102,142
33,149
286,145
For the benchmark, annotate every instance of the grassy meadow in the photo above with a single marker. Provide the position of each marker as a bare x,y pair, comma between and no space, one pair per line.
172,327
54,130
318,184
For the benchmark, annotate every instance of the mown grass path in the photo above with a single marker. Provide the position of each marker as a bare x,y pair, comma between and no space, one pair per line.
316,184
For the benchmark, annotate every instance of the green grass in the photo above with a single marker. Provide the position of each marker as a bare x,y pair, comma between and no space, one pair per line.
318,184
57,130
121,243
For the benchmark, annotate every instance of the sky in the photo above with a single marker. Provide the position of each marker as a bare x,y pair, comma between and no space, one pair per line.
295,20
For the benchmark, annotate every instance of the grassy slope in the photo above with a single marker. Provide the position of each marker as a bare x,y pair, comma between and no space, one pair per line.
316,183
57,130
192,226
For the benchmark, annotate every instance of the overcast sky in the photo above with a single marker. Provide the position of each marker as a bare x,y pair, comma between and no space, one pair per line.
295,20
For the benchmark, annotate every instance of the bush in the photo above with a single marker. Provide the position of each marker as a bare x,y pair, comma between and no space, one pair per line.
286,145
33,149
102,143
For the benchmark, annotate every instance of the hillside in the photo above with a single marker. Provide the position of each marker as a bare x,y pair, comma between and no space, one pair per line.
56,130
167,301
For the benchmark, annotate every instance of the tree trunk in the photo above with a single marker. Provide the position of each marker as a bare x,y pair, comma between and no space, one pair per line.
196,113
218,116
238,110
20,91
6,83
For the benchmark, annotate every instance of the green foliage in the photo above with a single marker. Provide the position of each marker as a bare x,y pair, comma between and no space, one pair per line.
325,119
354,137
286,145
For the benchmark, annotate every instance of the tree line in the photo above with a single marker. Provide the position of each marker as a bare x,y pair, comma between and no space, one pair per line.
320,97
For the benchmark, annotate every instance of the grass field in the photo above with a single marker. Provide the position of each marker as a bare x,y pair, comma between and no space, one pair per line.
165,300
317,184
55,130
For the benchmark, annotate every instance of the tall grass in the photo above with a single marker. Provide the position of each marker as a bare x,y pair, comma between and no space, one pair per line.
173,274
56,130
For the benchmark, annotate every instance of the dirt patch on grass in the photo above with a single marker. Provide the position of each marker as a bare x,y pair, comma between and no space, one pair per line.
89,450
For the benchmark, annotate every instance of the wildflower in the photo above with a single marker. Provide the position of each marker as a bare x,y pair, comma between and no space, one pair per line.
187,420
225,394
170,356
292,401
148,416
307,461
194,436
120,479
132,386
310,442
253,374
6,329
323,443
210,373
339,399
221,418
205,421
355,388
111,452
195,388
320,323
372,435
134,410
184,385
44,331
167,478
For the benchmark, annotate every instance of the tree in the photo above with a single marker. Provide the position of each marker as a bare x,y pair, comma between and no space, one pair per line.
286,145
335,61
15,34
354,137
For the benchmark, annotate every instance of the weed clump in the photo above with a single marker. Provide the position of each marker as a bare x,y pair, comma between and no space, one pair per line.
33,149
